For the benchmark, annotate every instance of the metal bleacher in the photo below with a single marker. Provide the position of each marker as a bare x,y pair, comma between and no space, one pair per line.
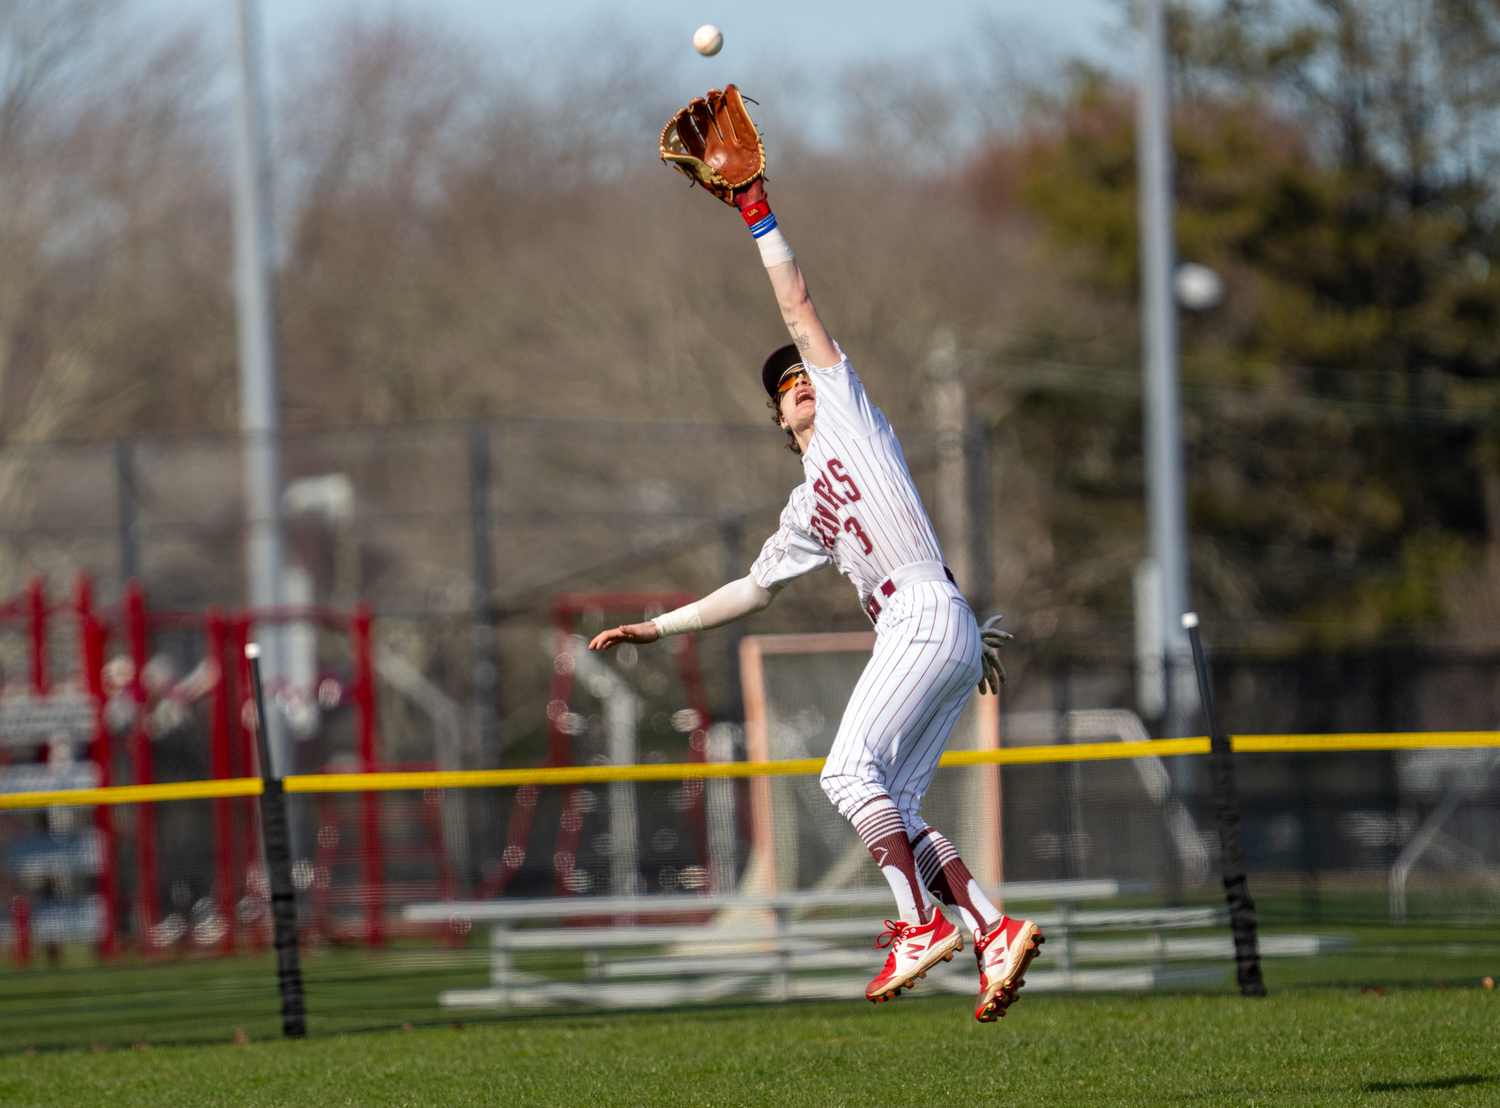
666,950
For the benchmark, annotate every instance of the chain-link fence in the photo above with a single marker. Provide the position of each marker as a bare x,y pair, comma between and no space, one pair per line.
1374,867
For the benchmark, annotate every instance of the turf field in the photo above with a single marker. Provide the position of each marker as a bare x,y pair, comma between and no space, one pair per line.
1418,1047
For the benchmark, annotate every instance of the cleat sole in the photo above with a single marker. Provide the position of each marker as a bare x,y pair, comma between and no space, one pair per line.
1009,989
925,964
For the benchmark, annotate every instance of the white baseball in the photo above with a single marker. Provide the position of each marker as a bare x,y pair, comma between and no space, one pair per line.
707,40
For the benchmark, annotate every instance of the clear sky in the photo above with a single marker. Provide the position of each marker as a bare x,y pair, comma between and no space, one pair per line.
814,34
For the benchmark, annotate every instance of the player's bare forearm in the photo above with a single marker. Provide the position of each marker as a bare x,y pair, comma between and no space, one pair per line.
626,632
800,316
733,601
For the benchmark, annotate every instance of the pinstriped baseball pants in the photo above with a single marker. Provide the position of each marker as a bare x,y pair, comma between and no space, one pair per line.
926,663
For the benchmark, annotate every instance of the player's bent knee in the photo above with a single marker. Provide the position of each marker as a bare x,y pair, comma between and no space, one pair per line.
913,822
849,793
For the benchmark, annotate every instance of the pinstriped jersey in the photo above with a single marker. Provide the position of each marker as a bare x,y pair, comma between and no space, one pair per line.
858,508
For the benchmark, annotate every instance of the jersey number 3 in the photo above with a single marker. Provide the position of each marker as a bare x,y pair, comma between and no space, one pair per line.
827,491
852,526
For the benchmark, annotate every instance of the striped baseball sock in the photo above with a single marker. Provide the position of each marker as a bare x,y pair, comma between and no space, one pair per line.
879,826
950,881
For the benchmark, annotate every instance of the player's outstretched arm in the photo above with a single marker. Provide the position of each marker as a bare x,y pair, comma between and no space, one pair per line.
626,632
800,317
735,600
796,305
715,143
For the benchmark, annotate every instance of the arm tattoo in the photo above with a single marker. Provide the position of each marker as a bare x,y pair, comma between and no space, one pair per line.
803,341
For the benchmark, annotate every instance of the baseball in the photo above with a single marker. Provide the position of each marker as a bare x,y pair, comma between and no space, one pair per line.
707,40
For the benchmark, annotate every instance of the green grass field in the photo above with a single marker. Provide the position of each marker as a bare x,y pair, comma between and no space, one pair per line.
80,1004
1418,1047
163,1033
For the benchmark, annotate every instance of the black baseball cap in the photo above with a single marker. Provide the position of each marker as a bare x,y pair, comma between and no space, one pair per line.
776,366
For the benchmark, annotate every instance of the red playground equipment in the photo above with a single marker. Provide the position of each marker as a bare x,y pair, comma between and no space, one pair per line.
567,611
115,693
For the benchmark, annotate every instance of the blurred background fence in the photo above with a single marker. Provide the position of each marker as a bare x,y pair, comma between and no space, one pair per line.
463,537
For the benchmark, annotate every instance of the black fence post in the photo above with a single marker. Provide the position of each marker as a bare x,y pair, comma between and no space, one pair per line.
1231,832
485,668
127,511
734,698
277,845
977,449
1070,773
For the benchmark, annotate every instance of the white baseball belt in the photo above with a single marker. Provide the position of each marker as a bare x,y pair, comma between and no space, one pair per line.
913,573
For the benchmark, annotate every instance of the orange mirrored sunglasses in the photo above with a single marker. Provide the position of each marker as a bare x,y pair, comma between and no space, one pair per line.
790,379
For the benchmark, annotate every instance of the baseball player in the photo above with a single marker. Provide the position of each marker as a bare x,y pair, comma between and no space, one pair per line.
859,510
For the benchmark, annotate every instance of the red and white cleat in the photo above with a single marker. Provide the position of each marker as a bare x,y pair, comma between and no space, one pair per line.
914,951
1003,956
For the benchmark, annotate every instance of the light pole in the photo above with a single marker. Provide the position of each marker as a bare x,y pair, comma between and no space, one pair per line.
254,240
1166,510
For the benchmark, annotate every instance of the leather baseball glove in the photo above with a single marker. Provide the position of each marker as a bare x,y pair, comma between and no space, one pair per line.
993,639
714,142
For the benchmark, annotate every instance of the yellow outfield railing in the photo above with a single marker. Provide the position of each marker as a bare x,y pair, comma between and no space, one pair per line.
593,775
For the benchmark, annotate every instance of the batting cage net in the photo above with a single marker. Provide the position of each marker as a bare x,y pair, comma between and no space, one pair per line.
635,851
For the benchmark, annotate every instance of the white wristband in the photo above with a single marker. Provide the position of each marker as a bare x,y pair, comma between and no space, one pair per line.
773,248
679,622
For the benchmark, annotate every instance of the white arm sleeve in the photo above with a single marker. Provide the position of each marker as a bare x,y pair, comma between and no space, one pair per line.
774,249
735,600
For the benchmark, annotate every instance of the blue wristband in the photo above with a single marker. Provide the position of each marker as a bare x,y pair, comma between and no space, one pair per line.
764,227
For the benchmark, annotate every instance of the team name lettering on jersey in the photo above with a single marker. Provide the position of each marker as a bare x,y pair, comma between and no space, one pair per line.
826,522
857,488
836,468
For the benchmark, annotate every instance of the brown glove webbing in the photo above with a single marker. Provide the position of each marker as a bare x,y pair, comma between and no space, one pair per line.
714,142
